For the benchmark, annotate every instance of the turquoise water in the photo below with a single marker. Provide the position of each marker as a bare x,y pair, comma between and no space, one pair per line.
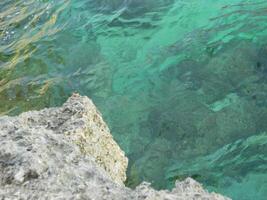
181,84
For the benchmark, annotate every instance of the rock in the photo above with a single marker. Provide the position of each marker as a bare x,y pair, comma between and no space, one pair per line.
69,153
188,189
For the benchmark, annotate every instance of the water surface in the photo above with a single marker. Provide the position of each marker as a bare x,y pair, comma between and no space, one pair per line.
181,84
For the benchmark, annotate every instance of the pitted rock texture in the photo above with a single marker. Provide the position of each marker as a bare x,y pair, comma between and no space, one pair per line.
69,153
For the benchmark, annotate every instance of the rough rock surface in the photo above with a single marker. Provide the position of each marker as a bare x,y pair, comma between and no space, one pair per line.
69,153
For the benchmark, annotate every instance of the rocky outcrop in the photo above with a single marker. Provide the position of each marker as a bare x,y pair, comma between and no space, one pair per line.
69,153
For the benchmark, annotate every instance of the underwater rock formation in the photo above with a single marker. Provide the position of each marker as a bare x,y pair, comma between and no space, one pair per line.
69,153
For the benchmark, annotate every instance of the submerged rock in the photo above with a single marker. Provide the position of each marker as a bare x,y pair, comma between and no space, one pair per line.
69,153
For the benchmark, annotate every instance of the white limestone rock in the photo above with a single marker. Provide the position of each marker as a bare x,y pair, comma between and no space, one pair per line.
69,153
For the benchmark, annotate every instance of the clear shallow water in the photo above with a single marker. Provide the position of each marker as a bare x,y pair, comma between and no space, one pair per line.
182,84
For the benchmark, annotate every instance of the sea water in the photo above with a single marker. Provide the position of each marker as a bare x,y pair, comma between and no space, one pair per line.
182,84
